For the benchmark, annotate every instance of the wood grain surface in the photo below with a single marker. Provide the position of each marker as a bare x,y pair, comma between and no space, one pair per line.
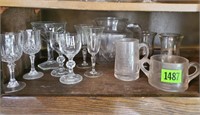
103,6
102,96
100,105
106,85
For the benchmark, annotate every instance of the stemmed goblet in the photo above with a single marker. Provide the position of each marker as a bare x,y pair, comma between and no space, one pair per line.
93,35
11,51
31,45
54,43
70,46
46,27
79,30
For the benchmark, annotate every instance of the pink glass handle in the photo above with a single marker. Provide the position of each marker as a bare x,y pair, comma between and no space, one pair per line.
197,70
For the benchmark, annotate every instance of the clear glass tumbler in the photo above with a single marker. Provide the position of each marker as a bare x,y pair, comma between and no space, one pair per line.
170,43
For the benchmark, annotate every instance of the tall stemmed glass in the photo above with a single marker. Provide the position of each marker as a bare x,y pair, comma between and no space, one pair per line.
54,43
93,45
11,51
46,27
31,45
70,46
79,30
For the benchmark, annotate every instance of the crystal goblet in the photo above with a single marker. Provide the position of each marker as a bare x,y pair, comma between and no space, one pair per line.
11,51
54,43
31,45
70,46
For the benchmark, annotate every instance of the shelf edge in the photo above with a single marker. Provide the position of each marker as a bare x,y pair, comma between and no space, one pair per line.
102,6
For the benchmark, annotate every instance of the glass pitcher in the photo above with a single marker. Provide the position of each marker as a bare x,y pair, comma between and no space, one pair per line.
115,28
119,26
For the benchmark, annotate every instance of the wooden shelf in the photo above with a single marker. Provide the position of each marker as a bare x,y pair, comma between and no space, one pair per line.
103,6
101,95
106,85
48,105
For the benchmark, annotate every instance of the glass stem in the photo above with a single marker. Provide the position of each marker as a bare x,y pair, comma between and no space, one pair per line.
60,59
50,52
32,58
93,60
70,65
13,82
84,52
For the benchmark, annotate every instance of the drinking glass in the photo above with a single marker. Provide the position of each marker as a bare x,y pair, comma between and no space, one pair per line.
93,35
148,38
54,43
46,27
11,51
31,45
170,43
79,30
70,46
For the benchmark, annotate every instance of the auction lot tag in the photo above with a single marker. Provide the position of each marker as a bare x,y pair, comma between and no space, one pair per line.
171,76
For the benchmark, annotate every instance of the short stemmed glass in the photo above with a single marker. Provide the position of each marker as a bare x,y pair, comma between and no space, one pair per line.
70,46
54,43
11,51
93,45
31,45
46,27
79,30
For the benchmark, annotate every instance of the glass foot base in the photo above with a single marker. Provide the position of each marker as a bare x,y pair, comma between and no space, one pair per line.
36,75
83,66
92,74
66,79
59,72
49,64
21,86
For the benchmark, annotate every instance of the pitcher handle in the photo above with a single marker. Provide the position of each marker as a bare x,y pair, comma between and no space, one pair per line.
142,61
146,47
197,70
135,29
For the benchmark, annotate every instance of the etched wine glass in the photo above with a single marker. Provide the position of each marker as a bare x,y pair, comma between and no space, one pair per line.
93,45
79,30
46,27
11,51
70,46
31,45
54,43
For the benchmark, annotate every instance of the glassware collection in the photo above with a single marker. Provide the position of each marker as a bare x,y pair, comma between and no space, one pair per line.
111,40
